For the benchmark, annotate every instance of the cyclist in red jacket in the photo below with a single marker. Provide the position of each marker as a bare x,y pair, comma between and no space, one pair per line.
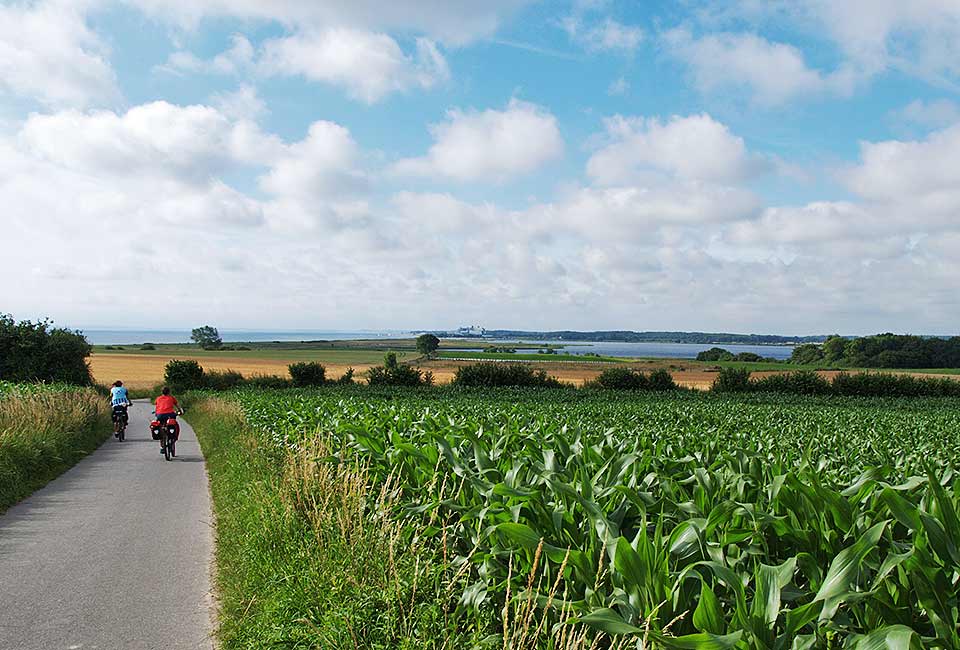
166,406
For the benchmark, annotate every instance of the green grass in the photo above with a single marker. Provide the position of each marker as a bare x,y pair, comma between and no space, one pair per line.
45,430
308,569
755,520
332,356
520,356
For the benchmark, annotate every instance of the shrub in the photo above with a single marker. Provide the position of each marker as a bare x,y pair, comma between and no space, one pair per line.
715,354
874,384
308,373
393,373
39,352
660,379
267,381
732,380
621,379
148,346
427,343
503,374
223,380
347,378
748,356
801,382
181,375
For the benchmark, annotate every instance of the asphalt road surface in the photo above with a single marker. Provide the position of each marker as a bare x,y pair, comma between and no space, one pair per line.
115,554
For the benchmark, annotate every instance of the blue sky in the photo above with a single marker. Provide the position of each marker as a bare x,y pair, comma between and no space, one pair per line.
743,165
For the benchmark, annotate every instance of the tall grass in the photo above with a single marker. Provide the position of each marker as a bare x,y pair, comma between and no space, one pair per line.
44,430
313,553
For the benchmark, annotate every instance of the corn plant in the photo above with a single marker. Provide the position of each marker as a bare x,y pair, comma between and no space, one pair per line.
684,521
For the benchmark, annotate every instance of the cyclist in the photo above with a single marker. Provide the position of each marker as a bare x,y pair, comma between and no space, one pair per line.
120,400
166,407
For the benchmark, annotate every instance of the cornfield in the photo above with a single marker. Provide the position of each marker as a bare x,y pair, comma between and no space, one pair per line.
681,521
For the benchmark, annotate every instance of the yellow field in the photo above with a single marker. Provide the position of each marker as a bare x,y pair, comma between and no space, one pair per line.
139,371
146,371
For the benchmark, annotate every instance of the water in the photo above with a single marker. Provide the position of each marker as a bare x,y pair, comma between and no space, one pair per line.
129,337
603,348
660,350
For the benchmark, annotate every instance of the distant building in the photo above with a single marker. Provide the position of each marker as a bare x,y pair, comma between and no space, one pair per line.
472,330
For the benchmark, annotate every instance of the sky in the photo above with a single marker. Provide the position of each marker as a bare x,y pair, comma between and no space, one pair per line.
734,165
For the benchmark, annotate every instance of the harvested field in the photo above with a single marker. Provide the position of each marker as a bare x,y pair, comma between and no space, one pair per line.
139,371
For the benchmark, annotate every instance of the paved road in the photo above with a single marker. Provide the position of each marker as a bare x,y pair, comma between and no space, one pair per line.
115,554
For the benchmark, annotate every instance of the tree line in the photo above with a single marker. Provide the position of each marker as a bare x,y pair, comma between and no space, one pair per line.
882,351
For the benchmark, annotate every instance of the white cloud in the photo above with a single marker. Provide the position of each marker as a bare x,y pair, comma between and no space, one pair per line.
921,36
369,65
159,139
454,22
922,177
774,73
236,59
49,54
607,35
695,147
321,165
936,114
242,104
489,144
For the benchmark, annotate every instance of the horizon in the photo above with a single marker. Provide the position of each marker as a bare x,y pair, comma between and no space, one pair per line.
360,330
743,166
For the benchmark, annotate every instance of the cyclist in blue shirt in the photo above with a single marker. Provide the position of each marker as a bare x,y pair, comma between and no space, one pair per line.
120,401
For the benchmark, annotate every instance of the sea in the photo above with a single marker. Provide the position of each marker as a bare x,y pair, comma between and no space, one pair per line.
130,337
603,348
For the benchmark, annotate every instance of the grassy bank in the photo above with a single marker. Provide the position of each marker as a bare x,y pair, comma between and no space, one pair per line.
303,560
44,430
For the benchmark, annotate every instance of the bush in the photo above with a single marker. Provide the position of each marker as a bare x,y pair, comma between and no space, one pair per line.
732,380
392,373
148,346
223,380
503,374
346,379
802,382
715,354
427,343
660,379
620,379
750,357
268,381
873,384
308,373
183,375
39,352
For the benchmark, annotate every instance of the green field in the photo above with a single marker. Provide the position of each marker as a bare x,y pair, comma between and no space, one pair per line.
689,520
521,356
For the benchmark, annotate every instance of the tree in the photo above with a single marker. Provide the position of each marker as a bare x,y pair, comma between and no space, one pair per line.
40,352
207,337
806,353
833,348
427,343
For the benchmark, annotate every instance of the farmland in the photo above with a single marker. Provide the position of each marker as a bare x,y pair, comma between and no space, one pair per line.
143,368
528,518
